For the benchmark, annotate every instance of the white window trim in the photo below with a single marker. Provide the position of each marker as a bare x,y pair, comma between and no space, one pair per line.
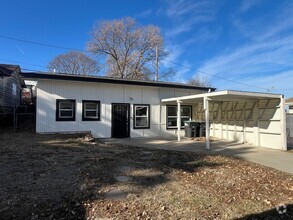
85,110
188,118
59,109
91,110
67,110
144,116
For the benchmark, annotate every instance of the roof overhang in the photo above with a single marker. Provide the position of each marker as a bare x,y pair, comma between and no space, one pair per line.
226,95
103,79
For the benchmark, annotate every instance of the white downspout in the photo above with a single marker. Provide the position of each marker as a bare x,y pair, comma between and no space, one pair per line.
207,118
178,119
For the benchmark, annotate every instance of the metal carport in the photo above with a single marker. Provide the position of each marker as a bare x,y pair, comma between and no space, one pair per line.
244,117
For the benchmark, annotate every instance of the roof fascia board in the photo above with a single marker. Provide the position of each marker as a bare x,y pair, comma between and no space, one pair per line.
254,94
182,98
225,92
34,76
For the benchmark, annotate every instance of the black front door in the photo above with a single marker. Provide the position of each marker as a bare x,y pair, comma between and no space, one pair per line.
120,120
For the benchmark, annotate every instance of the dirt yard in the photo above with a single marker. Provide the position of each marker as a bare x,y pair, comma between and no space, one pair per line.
67,177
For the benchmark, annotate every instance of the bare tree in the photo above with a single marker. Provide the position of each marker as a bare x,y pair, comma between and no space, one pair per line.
130,49
167,74
74,62
199,80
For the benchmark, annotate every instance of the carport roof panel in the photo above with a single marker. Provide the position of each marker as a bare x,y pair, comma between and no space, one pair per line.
225,95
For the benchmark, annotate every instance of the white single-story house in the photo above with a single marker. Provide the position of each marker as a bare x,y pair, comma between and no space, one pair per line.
118,108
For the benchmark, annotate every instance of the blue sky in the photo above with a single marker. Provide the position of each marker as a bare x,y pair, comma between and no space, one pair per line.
245,41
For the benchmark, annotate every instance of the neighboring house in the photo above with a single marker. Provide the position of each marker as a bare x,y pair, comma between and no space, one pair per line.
108,107
11,85
289,103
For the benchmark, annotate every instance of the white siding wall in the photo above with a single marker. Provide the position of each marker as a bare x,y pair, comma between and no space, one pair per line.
50,90
289,119
255,122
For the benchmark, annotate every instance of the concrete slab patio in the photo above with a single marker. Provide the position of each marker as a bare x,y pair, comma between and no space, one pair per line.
276,159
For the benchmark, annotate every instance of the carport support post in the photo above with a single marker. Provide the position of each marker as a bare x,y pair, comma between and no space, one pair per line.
178,119
283,123
207,118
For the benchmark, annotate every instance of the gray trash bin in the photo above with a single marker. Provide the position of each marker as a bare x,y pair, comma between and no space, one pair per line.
188,129
191,128
202,129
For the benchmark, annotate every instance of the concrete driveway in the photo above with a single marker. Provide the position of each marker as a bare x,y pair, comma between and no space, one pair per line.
276,159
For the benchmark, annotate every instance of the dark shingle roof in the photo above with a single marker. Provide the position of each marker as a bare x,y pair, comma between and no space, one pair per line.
8,70
103,79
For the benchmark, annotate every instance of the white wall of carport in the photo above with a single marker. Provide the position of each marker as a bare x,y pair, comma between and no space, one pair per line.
50,90
289,119
258,122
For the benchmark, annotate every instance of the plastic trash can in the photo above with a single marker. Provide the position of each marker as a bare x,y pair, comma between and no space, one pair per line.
191,128
202,129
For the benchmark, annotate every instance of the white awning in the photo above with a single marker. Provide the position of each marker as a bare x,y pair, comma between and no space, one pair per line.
278,123
226,95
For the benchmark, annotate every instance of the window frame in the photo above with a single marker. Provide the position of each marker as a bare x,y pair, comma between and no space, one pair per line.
148,116
84,118
175,127
58,110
